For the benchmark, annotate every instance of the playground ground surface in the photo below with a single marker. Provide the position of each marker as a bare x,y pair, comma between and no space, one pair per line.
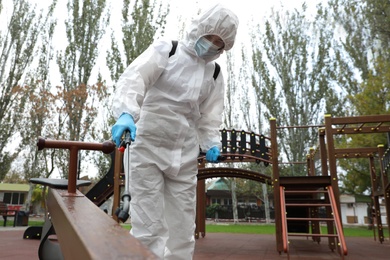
220,246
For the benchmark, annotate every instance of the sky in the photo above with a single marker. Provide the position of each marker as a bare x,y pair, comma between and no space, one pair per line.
249,13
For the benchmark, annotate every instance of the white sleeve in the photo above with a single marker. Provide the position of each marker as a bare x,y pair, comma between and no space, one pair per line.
211,116
138,77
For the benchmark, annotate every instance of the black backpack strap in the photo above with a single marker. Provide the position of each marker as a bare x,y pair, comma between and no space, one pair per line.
173,50
216,71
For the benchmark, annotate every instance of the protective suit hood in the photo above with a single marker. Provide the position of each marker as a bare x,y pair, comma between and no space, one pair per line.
219,21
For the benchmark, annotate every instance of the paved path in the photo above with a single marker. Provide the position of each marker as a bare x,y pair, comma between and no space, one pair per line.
222,246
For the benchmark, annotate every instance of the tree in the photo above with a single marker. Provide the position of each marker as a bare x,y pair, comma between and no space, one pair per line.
373,98
230,121
17,49
13,177
294,77
77,100
40,108
139,28
364,54
364,38
356,44
238,114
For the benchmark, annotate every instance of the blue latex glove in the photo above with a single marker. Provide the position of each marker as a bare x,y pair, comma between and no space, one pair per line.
213,154
125,122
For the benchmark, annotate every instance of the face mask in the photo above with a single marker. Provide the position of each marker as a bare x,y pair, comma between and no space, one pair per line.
206,49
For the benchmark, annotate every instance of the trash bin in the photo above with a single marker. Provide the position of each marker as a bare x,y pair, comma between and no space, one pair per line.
22,218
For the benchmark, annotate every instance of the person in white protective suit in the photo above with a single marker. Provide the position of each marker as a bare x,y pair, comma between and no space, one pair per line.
177,106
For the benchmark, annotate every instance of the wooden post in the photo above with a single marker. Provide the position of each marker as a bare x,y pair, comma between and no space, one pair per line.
385,185
375,198
200,209
332,173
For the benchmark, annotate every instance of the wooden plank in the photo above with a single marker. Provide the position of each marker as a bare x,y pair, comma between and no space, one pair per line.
86,232
308,182
360,119
360,130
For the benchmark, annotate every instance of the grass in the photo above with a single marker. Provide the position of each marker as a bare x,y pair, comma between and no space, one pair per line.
240,228
10,222
34,222
363,232
268,229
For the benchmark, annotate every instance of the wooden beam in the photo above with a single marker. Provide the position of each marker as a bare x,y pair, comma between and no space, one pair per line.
360,119
360,130
86,232
362,152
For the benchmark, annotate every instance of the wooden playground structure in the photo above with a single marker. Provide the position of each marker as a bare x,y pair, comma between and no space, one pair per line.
303,196
297,199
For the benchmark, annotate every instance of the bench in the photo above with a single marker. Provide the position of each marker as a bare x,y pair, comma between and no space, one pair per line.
5,212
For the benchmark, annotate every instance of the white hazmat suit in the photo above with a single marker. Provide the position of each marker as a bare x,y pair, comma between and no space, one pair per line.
177,106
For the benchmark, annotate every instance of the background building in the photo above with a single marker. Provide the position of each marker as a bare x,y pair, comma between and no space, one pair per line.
14,195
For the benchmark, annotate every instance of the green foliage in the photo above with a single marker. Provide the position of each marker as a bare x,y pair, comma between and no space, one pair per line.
84,29
212,209
378,14
365,52
231,114
18,44
38,120
38,194
249,188
139,32
374,96
293,77
67,111
79,101
365,27
13,177
103,163
139,28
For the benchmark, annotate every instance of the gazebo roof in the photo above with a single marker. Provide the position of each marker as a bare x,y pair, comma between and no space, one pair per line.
219,184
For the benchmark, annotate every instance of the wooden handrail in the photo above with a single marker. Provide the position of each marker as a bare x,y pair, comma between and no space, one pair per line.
337,220
106,147
284,219
74,147
239,157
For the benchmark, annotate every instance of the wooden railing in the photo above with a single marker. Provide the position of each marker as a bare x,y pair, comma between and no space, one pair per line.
284,220
337,220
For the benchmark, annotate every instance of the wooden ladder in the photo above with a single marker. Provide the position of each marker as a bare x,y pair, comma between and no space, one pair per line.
300,209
